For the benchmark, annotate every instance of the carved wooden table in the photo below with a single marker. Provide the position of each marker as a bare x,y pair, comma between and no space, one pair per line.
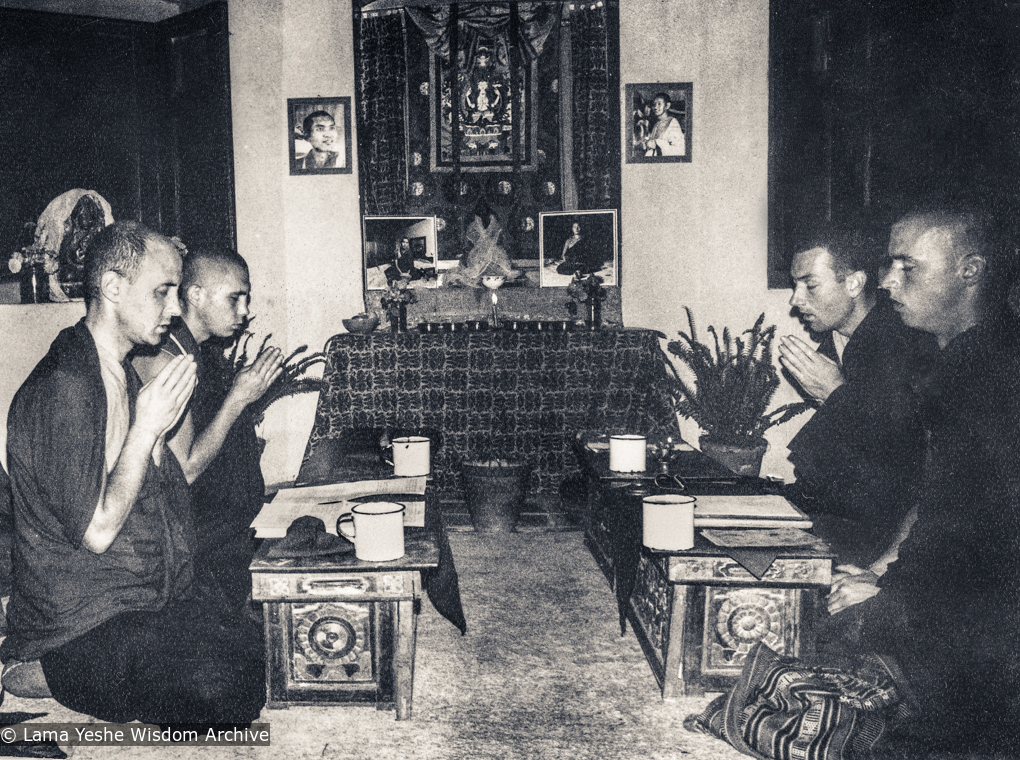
697,613
341,630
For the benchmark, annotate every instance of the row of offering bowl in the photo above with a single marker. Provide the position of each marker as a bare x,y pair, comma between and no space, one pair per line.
515,325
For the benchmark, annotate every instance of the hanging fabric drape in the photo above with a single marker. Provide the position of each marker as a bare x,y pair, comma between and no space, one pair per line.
595,133
492,21
382,84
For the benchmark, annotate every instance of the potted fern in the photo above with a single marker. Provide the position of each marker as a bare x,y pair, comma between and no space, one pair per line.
731,386
291,382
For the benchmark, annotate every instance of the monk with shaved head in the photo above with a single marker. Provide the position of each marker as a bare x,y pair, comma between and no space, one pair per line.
216,442
943,600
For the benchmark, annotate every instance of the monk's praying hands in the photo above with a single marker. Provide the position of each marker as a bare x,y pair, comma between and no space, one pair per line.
162,400
818,375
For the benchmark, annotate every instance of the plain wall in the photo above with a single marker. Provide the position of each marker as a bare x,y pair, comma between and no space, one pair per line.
697,234
301,235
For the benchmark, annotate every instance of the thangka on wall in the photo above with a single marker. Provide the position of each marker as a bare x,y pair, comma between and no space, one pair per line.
489,97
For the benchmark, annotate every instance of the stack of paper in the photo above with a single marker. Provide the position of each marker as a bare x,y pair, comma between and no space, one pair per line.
759,538
328,502
748,512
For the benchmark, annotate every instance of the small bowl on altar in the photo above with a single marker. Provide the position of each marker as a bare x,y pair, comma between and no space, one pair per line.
361,323
492,282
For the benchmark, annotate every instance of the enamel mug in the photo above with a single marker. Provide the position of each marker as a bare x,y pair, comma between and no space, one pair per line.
668,522
411,456
627,453
377,530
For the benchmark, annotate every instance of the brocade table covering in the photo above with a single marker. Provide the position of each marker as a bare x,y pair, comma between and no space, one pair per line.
504,393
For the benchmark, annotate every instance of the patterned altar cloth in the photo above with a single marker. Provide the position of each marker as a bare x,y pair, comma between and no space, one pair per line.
503,393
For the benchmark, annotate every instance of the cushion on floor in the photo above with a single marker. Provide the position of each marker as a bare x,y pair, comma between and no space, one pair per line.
25,679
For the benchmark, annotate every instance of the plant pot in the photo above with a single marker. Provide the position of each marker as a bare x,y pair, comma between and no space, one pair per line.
743,460
495,494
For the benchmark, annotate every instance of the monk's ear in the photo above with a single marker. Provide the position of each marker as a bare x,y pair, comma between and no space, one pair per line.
193,295
973,269
111,285
855,282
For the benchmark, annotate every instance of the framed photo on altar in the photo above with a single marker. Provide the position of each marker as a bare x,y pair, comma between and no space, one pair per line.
400,248
658,120
582,242
320,135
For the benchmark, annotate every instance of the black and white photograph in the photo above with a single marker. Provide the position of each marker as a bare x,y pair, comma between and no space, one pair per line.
400,249
577,243
659,119
320,135
400,464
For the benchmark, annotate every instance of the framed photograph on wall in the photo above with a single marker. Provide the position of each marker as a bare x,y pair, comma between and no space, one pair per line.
658,123
577,241
320,135
400,247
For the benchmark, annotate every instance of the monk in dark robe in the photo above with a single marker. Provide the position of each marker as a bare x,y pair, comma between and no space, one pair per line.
103,571
216,442
943,599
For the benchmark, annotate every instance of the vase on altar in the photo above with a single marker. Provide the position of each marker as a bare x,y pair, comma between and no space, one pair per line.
398,317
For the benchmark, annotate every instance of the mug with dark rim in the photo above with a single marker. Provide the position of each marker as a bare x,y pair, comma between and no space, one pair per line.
377,530
411,456
667,522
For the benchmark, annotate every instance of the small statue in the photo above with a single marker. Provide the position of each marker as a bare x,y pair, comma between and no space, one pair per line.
487,256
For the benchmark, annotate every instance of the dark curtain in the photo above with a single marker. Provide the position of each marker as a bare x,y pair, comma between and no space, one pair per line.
596,133
536,21
382,80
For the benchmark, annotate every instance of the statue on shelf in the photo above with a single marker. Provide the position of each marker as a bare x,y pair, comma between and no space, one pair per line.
66,227
487,256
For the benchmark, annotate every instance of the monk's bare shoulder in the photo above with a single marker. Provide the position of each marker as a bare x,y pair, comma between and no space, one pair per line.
149,363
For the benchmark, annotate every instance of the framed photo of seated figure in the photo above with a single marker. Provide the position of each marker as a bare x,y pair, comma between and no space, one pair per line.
658,121
572,242
400,248
320,135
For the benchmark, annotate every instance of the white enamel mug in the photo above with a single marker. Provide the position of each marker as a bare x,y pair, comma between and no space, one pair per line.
627,453
412,456
377,530
668,522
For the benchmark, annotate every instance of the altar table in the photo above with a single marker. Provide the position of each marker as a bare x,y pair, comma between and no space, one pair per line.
499,392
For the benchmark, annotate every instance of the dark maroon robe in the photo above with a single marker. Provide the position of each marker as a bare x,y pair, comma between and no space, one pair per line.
56,451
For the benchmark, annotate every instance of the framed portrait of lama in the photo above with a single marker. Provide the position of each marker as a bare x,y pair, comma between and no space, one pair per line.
658,120
400,248
577,242
320,135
